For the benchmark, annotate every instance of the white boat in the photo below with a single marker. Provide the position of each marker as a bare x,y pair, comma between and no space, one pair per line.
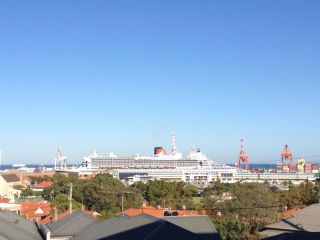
18,165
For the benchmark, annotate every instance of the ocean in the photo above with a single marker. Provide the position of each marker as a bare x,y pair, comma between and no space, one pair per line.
3,167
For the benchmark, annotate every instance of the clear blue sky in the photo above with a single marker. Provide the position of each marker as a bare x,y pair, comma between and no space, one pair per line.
122,75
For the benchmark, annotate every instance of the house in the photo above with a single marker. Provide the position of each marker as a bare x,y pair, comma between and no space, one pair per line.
300,224
4,200
14,227
144,226
41,186
54,216
10,186
69,226
79,225
159,212
35,210
12,207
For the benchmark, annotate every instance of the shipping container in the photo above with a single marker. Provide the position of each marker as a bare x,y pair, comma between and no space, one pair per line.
293,168
308,167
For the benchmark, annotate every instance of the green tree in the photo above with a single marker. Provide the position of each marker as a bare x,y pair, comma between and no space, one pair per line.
309,193
173,195
61,202
27,192
232,228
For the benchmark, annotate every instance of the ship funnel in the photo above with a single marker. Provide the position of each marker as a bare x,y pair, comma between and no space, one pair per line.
159,151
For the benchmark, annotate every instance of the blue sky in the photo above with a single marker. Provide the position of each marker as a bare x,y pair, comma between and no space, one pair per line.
122,75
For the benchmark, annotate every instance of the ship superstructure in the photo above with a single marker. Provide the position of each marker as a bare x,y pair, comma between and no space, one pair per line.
196,159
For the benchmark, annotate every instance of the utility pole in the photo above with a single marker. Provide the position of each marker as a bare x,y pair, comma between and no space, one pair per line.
70,198
122,200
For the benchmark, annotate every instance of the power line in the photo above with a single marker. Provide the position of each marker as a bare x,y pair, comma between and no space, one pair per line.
122,197
250,208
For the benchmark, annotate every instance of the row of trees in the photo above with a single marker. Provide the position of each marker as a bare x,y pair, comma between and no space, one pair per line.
104,194
175,195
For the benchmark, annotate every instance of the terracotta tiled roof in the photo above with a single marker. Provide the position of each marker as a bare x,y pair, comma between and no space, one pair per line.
4,200
34,210
44,184
155,212
290,212
48,219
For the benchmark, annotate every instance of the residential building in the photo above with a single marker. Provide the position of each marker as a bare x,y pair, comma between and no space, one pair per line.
15,227
159,212
10,186
69,226
41,186
35,211
144,226
54,216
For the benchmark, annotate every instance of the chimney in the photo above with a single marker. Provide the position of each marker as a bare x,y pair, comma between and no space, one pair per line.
54,214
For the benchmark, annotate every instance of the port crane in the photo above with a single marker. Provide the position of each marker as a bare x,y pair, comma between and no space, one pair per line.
243,156
286,155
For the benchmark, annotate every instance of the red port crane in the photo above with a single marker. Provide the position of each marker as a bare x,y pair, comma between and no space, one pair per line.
243,157
286,154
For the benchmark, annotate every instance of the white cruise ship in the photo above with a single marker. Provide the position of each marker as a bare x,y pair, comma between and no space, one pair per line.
194,167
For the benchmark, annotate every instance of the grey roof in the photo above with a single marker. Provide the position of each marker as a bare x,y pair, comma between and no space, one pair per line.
146,227
43,229
307,219
99,228
296,235
186,227
14,227
11,177
18,187
197,224
71,225
113,226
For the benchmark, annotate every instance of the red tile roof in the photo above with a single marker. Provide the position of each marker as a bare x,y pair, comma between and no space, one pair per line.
4,200
35,211
290,212
65,214
44,184
155,212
